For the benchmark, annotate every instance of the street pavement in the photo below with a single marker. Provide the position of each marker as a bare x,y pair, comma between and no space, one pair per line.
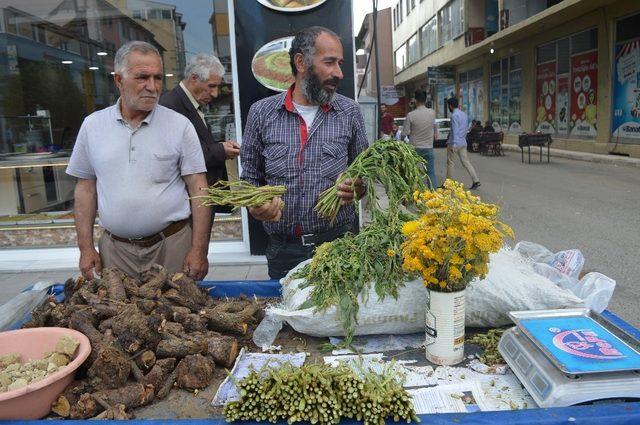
565,204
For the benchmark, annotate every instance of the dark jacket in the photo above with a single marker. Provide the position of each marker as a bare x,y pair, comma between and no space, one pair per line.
213,150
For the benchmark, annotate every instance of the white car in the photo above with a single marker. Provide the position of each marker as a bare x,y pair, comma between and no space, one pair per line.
443,128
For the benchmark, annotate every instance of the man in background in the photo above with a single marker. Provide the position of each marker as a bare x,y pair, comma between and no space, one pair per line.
457,142
201,84
386,122
420,127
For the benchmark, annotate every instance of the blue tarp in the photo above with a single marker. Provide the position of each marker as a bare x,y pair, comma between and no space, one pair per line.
598,414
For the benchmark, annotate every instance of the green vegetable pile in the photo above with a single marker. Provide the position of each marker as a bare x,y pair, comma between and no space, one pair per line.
344,270
489,343
240,194
319,393
395,165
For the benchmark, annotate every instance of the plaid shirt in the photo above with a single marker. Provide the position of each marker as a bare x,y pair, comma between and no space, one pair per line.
279,149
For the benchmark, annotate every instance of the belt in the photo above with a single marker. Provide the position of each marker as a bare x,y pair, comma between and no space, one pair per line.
312,239
148,241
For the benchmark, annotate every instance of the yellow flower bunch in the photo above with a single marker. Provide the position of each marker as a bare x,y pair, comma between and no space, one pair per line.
450,242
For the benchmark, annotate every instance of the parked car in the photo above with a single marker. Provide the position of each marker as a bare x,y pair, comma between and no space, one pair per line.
443,128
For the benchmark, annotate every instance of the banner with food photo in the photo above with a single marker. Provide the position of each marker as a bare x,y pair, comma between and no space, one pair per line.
546,98
584,94
626,91
271,65
291,5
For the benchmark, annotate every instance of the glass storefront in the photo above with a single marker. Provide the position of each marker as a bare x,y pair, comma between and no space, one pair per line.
505,85
56,67
471,93
626,81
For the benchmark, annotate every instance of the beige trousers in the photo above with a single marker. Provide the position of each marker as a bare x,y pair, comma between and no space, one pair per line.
133,259
462,154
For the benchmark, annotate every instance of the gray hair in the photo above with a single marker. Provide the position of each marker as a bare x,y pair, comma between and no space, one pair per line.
122,55
203,65
304,43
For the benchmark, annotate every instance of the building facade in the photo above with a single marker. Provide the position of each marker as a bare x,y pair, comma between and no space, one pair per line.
567,68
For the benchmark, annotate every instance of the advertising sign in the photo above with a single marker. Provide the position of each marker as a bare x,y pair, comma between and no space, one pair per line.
440,75
546,98
562,105
444,92
626,91
260,31
584,94
476,100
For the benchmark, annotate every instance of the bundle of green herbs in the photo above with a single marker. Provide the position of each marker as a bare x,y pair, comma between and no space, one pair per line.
319,393
393,164
240,194
343,270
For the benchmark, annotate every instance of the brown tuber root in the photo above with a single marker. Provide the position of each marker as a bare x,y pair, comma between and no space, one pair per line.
223,350
110,369
132,395
195,372
112,282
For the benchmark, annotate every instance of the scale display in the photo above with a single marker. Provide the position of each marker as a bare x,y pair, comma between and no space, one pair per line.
581,345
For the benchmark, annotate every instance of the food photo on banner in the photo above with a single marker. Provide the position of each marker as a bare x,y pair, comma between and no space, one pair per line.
626,91
584,94
262,34
545,97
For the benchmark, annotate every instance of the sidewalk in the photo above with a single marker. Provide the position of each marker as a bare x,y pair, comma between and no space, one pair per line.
12,283
578,156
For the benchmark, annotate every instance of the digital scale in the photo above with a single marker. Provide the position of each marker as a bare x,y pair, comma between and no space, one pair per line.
571,356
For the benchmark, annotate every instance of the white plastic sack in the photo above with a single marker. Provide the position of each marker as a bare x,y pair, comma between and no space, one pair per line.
512,284
18,307
569,262
595,289
403,315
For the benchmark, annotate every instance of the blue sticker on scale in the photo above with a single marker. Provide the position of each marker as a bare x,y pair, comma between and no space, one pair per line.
581,345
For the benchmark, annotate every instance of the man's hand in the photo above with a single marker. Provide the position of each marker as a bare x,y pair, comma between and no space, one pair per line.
348,188
196,265
268,212
90,260
231,149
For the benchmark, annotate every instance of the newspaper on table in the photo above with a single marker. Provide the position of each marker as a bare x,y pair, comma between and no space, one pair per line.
244,364
458,398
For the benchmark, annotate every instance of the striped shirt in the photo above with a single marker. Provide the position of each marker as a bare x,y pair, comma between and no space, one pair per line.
279,149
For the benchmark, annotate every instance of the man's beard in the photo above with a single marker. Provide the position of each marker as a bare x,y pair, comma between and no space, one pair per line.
315,90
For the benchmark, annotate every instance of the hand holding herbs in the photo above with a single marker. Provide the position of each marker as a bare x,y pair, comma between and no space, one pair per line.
241,194
394,165
322,394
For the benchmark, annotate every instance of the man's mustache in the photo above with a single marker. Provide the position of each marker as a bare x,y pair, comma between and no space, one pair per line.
335,81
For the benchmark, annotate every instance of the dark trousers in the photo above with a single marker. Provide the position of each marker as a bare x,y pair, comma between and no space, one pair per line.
283,256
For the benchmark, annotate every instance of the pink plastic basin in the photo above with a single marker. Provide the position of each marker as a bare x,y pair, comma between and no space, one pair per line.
34,401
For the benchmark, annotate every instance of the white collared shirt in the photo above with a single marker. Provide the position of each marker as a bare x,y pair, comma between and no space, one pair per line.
194,102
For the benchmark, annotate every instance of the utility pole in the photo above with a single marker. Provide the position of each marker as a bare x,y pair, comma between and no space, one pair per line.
375,46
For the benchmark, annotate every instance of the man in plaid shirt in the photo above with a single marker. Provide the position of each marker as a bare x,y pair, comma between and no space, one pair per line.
303,139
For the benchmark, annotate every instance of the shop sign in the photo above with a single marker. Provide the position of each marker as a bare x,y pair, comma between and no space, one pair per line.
546,97
584,94
390,95
562,105
626,91
440,75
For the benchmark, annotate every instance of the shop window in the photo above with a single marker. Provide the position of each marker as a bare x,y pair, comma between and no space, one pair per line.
625,122
471,93
567,85
505,84
44,101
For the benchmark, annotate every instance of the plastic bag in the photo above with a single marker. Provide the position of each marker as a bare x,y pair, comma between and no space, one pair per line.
512,284
14,311
595,289
569,262
403,315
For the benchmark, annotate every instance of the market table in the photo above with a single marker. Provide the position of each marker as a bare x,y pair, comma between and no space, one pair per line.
541,140
610,413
